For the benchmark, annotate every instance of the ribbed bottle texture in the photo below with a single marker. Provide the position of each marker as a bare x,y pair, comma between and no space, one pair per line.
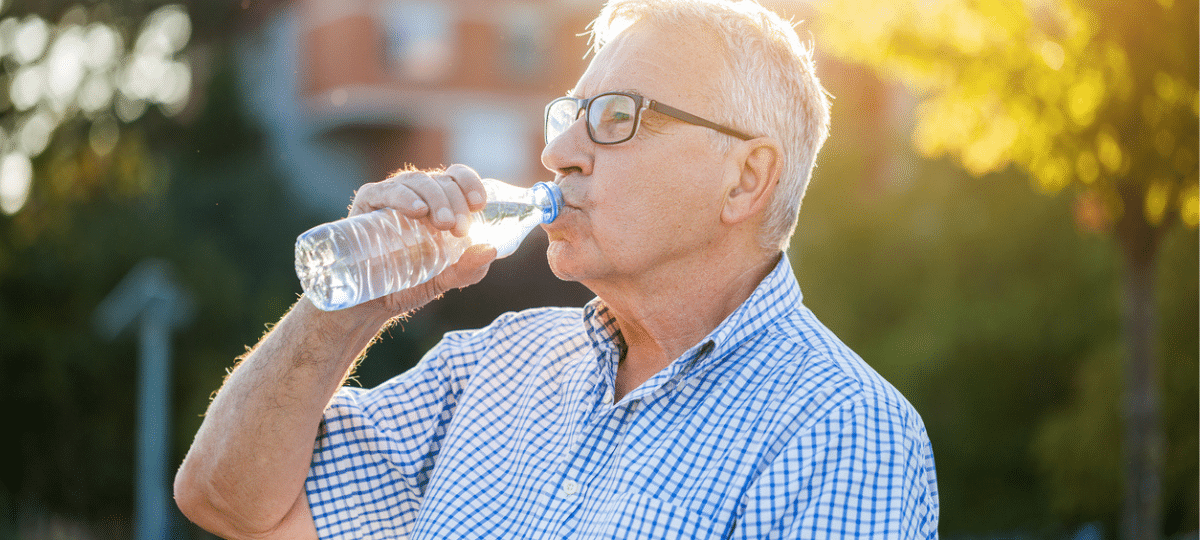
361,258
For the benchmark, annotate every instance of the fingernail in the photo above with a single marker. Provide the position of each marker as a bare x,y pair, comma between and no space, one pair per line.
419,205
445,215
463,224
474,197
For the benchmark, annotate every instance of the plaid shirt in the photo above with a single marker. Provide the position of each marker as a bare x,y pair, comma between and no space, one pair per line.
770,427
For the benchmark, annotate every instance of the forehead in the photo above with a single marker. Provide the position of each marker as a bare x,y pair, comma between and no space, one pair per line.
669,65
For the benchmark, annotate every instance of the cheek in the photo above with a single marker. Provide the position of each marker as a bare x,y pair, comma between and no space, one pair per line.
632,206
618,216
626,230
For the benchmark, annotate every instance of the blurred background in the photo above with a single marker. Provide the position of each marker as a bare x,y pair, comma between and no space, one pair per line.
1003,223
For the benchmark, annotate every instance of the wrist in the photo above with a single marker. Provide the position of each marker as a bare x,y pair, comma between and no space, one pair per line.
351,328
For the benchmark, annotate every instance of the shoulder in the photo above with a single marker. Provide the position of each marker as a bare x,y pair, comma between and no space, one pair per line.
850,435
446,369
521,325
830,376
512,340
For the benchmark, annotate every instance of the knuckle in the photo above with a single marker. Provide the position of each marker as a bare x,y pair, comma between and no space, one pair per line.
423,180
401,177
463,173
458,168
367,189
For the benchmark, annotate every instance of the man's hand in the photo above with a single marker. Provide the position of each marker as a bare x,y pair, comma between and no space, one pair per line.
444,200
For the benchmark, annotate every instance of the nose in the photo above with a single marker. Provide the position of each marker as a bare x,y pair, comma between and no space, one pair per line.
570,152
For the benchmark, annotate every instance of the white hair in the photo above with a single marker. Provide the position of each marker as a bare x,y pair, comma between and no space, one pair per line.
774,93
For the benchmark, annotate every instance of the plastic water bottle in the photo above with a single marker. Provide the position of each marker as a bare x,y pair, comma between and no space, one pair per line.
361,258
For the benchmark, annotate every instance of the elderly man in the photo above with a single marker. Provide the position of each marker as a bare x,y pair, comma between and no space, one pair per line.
695,397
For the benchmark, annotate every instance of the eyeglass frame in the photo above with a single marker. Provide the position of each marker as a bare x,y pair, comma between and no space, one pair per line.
640,103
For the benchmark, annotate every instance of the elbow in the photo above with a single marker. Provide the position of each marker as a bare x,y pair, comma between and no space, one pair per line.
187,496
203,501
193,499
200,502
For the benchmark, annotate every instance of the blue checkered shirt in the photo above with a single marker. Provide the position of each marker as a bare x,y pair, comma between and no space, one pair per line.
770,427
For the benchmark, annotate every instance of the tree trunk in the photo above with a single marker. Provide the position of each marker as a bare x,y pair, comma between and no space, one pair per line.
1144,441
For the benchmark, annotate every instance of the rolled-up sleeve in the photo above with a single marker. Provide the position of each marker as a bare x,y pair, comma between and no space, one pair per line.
377,448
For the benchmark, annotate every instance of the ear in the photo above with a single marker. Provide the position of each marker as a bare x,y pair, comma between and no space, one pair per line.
753,172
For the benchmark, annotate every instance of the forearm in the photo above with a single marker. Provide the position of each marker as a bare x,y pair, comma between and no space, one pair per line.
244,475
248,463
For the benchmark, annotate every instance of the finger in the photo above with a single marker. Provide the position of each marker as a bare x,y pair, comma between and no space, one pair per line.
440,210
458,203
469,270
472,186
389,193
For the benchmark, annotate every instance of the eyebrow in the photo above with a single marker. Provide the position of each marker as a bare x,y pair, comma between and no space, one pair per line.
573,93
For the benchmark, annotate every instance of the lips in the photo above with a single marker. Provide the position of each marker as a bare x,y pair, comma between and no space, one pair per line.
558,228
564,214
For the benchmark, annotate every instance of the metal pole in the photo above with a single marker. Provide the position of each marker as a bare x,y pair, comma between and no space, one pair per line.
149,297
153,421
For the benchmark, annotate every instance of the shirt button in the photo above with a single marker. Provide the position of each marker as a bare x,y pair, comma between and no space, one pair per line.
570,487
608,398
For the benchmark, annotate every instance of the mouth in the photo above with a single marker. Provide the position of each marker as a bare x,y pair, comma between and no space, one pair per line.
567,214
563,212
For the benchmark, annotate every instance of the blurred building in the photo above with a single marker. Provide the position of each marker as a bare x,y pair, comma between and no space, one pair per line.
350,91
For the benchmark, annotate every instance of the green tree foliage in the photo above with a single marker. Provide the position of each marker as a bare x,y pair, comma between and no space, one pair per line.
997,315
191,186
1097,97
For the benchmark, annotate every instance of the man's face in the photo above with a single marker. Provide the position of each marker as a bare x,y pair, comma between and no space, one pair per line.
643,209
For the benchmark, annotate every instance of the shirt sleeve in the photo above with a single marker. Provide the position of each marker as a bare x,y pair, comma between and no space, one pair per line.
864,471
376,448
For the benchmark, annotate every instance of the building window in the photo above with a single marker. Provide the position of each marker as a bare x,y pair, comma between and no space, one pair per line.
494,142
524,31
418,38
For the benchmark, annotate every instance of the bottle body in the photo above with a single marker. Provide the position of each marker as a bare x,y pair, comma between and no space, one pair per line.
361,258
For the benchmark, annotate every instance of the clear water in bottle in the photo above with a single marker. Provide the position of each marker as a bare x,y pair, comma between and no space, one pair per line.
360,258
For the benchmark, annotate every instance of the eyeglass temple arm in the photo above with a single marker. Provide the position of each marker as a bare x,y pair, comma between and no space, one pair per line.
695,120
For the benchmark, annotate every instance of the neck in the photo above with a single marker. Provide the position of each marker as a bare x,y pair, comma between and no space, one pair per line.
662,317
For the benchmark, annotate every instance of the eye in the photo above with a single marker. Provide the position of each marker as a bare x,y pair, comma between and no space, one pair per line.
618,116
615,109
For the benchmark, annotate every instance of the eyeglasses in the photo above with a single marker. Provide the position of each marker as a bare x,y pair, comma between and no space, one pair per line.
613,117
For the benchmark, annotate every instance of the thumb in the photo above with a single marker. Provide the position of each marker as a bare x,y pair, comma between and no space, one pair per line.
469,270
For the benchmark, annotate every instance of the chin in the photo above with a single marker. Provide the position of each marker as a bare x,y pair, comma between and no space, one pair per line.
564,262
559,263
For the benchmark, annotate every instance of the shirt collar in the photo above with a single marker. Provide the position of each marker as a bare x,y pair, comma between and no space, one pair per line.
777,294
602,327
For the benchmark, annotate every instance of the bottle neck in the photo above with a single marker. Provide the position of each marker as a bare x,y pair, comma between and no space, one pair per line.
549,198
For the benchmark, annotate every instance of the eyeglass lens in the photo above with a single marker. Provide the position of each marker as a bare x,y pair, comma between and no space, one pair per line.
611,118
